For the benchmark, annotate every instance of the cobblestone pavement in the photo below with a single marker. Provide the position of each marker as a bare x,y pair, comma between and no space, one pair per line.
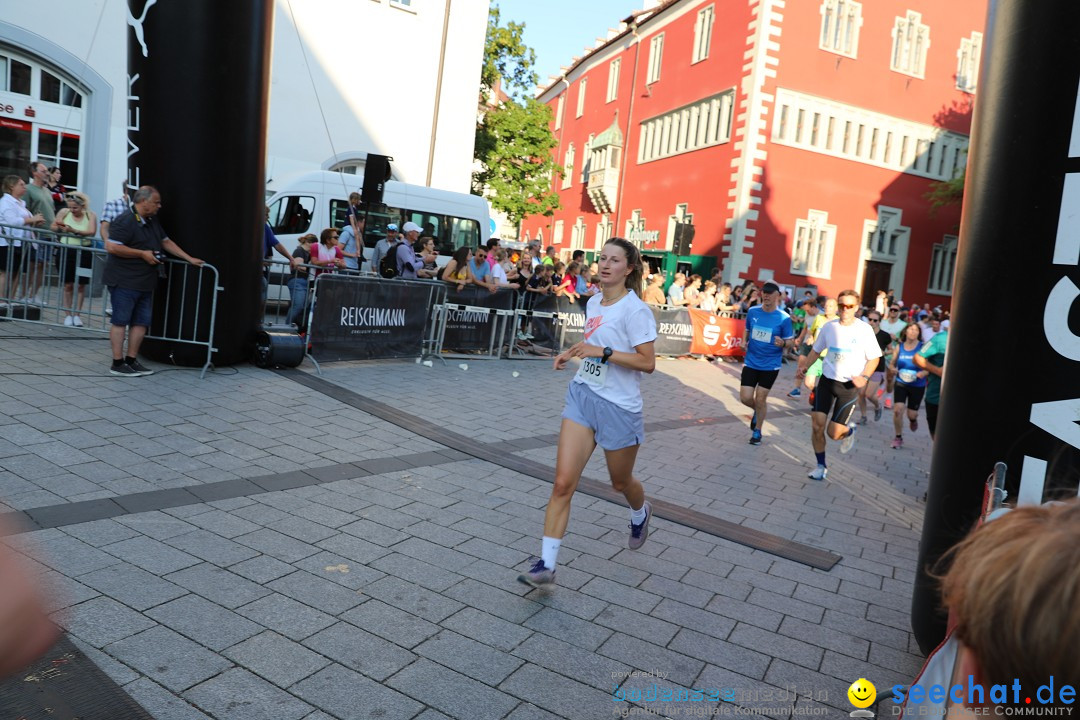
380,582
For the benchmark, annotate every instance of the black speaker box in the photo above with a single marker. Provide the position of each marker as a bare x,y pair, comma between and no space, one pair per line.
684,236
376,173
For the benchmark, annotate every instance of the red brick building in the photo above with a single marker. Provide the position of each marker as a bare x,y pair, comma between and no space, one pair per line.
798,138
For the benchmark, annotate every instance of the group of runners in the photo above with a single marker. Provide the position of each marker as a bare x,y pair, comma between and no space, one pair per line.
603,404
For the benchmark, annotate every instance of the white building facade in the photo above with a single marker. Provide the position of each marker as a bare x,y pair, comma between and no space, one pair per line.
394,77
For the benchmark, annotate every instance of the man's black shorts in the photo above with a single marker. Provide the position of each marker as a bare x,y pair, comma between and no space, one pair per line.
838,398
908,395
760,378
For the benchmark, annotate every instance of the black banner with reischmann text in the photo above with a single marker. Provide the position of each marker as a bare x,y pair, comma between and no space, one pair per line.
674,330
357,318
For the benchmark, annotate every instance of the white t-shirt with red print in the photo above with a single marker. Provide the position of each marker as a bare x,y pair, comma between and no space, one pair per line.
622,327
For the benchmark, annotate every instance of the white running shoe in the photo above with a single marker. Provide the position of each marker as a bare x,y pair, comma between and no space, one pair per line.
818,473
77,321
848,441
69,321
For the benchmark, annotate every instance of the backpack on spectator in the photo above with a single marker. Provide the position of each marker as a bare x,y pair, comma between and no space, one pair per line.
388,262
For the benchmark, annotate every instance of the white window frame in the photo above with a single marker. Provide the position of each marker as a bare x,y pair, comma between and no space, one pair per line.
968,61
577,234
703,33
636,221
603,231
613,79
840,23
943,266
902,146
701,124
559,108
581,96
405,5
911,42
586,162
814,240
656,59
557,233
568,167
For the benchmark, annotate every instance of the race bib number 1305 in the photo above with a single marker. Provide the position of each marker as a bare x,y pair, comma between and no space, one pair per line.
593,372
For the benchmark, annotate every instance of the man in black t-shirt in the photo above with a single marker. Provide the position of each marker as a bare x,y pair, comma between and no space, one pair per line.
136,240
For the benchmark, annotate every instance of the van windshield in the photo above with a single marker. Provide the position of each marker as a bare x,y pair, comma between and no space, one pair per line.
291,214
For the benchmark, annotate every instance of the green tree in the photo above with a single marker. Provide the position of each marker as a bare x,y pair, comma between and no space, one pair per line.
514,142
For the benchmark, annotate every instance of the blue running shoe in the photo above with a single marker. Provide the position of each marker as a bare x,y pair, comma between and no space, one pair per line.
755,437
753,421
795,393
538,576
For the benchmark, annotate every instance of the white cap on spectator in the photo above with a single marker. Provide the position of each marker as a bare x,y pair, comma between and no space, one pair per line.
411,226
392,226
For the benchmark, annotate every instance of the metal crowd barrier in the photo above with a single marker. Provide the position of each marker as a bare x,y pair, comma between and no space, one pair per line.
434,296
33,288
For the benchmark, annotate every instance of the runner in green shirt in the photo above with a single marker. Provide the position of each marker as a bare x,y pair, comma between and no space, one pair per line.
931,357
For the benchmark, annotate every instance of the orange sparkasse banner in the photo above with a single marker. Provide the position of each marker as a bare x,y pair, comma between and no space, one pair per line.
715,335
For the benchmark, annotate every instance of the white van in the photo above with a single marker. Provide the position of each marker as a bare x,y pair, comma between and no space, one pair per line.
312,202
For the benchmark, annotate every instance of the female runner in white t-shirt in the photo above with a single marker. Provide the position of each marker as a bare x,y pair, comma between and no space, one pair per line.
603,402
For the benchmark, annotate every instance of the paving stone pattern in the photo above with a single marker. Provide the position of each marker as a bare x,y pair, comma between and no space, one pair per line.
392,593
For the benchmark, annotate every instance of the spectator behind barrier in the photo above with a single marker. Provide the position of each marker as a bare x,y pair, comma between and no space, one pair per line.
540,284
408,262
480,271
567,287
549,256
383,245
676,293
298,283
327,254
654,292
1013,588
425,247
457,270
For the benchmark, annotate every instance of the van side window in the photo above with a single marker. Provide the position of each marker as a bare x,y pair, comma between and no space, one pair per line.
339,213
377,220
434,225
291,214
465,232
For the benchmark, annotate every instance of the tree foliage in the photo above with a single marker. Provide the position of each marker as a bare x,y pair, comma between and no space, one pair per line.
514,141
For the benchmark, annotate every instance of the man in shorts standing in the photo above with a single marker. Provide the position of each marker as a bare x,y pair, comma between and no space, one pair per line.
768,332
852,359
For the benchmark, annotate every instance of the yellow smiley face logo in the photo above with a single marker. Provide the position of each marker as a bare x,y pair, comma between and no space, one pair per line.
862,693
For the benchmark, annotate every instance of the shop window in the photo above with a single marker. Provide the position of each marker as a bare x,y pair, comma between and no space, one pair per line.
291,214
967,66
61,150
702,34
50,87
813,247
15,137
840,22
943,266
911,40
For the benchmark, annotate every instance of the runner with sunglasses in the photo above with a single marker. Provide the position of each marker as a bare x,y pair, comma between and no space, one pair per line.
894,325
853,354
868,392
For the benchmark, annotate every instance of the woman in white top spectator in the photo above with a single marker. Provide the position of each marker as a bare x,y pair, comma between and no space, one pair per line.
708,297
13,212
503,271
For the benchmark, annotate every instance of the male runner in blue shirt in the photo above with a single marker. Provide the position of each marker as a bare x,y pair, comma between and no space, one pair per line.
768,332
